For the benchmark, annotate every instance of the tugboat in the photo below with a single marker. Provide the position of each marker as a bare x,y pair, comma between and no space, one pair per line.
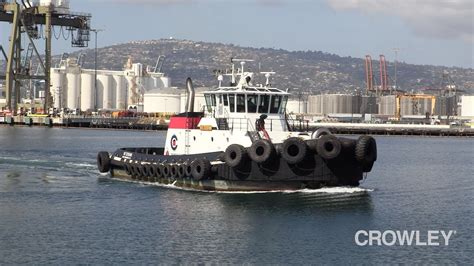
244,141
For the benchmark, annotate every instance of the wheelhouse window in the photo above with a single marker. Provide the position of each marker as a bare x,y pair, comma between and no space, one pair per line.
207,97
240,103
252,103
232,102
283,105
226,100
263,103
213,99
275,104
210,99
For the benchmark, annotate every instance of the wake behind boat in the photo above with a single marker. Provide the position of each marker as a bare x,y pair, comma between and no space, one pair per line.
244,141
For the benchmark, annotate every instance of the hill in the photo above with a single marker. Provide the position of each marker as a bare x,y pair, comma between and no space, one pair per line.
315,71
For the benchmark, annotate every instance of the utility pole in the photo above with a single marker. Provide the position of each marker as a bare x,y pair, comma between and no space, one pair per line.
396,50
95,68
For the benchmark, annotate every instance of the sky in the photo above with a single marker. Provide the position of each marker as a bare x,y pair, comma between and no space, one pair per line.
434,32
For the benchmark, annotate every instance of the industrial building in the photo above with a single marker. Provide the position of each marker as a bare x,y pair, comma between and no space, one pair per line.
76,88
467,106
324,104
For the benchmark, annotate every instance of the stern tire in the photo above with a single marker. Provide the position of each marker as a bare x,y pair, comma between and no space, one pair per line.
103,161
235,155
328,147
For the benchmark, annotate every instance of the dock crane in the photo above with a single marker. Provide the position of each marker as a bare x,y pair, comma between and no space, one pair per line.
28,20
413,97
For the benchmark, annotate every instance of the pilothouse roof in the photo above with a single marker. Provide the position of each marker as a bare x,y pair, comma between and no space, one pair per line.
245,83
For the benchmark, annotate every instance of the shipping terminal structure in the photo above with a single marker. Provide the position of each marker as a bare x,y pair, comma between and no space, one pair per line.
243,141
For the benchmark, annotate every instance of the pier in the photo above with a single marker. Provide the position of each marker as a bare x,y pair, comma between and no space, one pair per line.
131,123
152,123
396,129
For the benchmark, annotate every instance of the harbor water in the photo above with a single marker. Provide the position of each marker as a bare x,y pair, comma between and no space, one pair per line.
55,208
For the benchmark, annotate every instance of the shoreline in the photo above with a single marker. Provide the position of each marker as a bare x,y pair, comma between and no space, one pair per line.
335,128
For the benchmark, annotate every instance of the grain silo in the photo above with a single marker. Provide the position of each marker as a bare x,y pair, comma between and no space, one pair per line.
387,105
57,87
87,88
120,92
104,92
314,104
73,89
368,105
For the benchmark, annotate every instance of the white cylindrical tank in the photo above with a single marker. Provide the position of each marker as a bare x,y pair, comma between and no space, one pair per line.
467,106
162,103
57,87
73,89
297,106
104,92
120,92
87,89
199,102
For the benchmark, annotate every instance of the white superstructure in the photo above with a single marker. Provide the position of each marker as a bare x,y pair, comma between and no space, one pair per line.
232,114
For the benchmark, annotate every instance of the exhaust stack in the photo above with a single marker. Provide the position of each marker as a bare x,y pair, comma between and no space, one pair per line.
191,94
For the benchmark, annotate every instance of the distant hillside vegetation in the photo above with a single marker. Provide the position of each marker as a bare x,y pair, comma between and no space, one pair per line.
308,70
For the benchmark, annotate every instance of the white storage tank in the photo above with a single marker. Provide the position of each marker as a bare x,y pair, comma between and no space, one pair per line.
199,102
467,106
120,92
314,104
104,92
388,105
57,84
160,102
87,91
73,89
297,106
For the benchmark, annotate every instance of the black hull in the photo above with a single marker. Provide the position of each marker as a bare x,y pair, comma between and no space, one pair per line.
313,172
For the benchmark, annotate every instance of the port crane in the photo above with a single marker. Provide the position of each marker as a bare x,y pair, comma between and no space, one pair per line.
32,21
413,98
369,75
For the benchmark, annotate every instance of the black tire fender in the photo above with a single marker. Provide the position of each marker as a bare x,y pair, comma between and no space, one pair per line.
262,151
135,171
328,147
294,150
366,152
128,169
152,170
174,170
103,161
201,169
235,155
166,170
160,171
181,170
322,131
188,169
